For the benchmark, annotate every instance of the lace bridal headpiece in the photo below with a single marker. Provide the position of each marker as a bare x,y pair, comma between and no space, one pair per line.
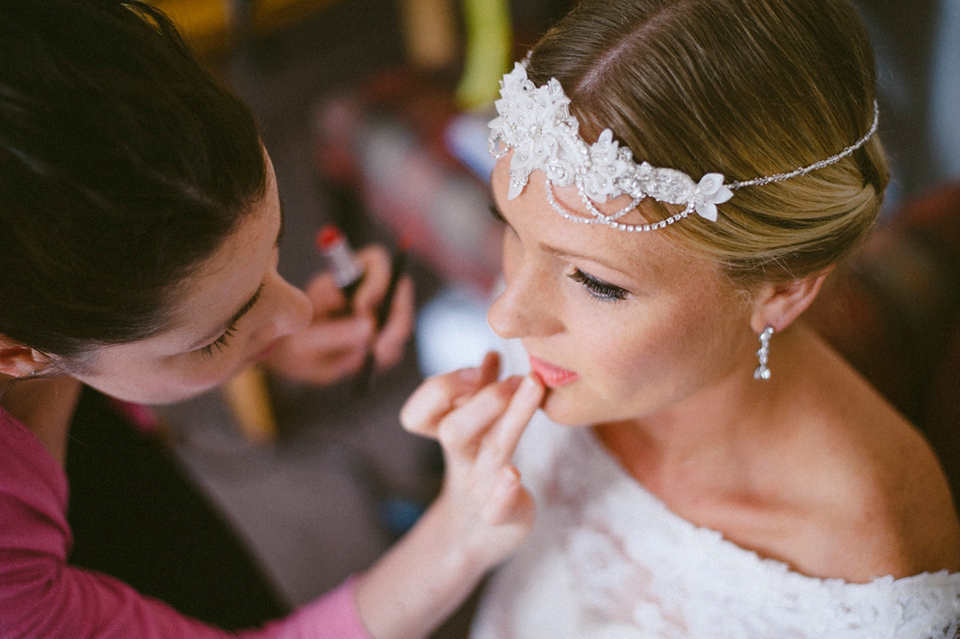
536,123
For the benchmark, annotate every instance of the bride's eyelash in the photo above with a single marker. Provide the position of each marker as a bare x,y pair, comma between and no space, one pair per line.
221,342
598,288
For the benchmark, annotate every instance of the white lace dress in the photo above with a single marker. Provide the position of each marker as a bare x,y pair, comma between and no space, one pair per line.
608,560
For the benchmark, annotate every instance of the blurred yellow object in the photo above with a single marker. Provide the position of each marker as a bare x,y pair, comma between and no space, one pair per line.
430,32
248,397
210,25
272,15
205,23
489,49
430,27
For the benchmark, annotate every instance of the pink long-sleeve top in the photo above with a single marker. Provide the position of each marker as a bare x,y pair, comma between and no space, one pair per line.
43,597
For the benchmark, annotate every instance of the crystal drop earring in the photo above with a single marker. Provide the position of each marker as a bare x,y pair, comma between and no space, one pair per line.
763,354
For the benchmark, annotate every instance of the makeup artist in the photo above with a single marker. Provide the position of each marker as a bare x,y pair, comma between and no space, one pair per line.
139,224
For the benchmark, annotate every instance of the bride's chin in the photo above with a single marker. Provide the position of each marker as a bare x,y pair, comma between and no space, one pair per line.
562,411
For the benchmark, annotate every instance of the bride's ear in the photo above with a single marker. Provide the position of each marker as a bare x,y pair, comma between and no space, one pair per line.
19,360
779,304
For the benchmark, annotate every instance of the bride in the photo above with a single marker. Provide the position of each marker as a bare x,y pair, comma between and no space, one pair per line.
677,178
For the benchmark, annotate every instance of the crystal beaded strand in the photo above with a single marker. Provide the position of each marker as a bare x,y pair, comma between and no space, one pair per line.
763,354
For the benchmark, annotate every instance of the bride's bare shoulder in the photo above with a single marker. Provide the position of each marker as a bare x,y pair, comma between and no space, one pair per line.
890,510
874,494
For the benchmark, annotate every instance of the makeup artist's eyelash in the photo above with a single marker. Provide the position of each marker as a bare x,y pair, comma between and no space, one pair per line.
220,343
598,288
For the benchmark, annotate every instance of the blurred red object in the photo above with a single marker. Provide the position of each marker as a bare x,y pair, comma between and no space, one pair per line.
387,141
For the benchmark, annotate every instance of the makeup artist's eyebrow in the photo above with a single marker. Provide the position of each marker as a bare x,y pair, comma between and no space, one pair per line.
243,310
283,220
230,322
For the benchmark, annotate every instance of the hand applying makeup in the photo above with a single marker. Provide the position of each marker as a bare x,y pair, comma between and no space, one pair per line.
342,331
483,512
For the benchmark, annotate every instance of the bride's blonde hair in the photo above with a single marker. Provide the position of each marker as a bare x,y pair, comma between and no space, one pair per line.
746,88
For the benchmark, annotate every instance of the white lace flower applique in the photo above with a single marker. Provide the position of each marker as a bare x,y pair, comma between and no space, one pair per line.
535,122
609,164
537,125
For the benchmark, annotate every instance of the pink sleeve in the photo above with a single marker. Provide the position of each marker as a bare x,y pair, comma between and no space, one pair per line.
43,597
333,616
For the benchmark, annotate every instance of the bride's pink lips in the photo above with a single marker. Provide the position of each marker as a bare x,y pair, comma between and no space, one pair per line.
552,376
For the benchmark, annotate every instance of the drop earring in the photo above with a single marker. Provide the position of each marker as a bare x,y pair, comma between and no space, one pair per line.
763,354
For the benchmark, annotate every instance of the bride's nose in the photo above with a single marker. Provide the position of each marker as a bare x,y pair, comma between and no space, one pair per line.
526,308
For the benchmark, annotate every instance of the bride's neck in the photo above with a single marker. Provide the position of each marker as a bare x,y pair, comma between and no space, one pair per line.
704,441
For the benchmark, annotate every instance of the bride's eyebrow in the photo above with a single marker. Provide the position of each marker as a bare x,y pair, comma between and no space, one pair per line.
567,254
497,215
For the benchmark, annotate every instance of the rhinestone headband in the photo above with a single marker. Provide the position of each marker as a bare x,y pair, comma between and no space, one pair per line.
536,123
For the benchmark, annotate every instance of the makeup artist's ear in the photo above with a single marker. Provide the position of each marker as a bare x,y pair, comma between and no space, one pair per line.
778,304
19,360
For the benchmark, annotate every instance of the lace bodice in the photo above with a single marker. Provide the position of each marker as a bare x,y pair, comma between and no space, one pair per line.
608,560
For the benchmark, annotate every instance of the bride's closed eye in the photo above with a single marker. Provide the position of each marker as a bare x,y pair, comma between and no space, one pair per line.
597,288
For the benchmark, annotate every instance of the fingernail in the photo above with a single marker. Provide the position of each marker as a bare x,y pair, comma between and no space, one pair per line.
506,480
529,384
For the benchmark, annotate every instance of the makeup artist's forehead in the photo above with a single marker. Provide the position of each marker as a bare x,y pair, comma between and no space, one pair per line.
232,275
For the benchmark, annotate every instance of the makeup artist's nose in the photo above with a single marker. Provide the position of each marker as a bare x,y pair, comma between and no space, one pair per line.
525,308
292,310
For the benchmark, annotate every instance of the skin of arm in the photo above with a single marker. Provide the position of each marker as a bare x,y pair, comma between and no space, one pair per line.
483,512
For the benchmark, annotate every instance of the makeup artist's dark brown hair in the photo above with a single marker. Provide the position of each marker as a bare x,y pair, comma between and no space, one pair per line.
124,164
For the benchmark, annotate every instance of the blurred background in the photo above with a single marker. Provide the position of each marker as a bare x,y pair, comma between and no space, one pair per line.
374,112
